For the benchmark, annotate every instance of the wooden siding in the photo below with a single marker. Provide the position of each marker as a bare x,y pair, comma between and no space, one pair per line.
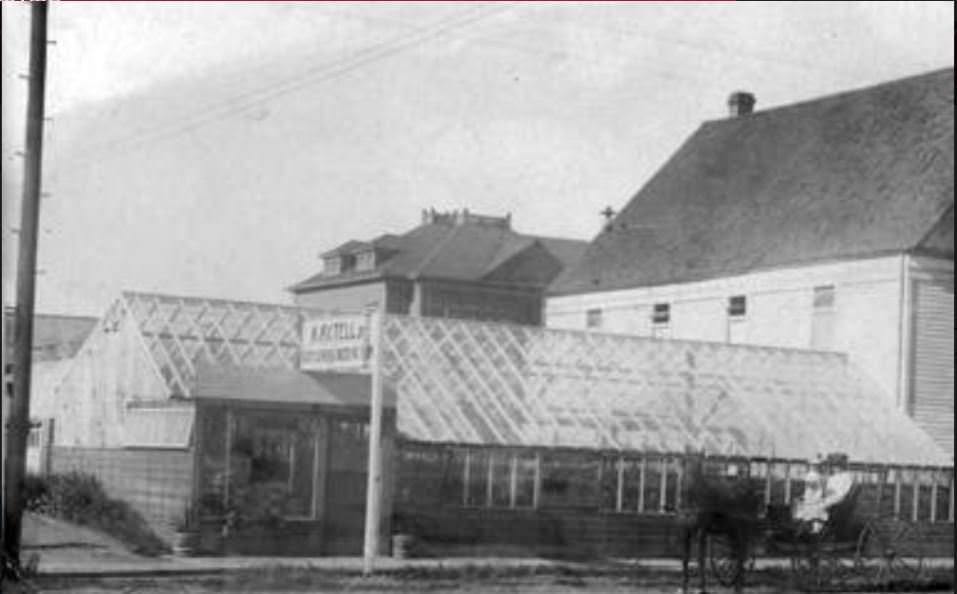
780,311
156,483
932,397
111,370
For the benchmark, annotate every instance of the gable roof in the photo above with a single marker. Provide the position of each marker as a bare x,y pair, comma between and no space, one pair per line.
509,385
455,381
857,174
55,336
466,252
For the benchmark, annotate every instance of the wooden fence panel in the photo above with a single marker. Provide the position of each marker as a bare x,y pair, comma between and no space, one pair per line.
156,483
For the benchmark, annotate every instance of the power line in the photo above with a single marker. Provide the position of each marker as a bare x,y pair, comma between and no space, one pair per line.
312,76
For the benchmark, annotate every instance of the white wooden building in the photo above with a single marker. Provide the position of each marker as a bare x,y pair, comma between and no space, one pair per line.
825,225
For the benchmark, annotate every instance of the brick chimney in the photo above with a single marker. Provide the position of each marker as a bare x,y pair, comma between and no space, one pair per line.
740,103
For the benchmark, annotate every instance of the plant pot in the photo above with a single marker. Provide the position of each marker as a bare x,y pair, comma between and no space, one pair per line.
402,546
185,543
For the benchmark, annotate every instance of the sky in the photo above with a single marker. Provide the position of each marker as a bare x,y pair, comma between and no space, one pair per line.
215,149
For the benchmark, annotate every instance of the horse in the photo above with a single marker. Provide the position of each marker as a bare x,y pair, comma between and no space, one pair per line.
712,506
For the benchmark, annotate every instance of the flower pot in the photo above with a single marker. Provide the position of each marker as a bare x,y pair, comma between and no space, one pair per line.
185,543
402,546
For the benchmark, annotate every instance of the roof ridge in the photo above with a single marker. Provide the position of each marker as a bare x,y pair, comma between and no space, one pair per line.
126,295
933,227
837,95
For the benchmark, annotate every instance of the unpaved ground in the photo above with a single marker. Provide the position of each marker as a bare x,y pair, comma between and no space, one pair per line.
45,536
540,586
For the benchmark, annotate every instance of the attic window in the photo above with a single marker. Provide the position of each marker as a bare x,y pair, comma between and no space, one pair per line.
347,263
365,261
737,306
593,318
661,314
824,297
332,265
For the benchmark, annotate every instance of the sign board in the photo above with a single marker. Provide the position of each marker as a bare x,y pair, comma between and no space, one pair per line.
336,343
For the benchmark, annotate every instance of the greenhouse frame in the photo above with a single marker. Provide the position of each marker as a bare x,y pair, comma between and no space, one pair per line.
496,438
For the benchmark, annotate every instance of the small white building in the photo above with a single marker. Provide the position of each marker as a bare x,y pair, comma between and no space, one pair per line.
824,225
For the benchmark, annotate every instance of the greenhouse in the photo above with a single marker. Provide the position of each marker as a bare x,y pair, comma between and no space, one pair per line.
496,437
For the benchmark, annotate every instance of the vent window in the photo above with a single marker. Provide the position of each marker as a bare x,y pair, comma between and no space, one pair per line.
661,314
737,306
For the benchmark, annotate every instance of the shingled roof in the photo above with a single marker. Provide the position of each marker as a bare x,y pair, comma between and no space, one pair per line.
55,337
858,174
466,252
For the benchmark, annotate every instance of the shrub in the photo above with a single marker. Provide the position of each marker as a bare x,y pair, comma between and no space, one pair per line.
80,498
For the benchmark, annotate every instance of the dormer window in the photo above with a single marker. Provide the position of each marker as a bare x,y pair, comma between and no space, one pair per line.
365,260
347,263
332,266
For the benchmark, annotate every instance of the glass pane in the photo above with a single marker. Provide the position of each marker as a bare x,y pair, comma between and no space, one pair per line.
501,479
478,477
272,460
629,494
212,489
525,491
569,480
652,485
608,484
943,497
420,475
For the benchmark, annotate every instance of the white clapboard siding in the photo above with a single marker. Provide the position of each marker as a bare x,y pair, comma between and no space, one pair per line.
933,380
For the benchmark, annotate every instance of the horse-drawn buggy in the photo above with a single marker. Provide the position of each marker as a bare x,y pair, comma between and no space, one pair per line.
850,546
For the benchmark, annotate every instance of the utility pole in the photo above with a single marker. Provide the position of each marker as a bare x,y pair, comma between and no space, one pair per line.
19,420
370,546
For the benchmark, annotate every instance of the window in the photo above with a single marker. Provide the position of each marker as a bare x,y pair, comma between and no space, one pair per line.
661,314
365,260
332,265
593,318
737,306
824,297
348,263
822,318
261,469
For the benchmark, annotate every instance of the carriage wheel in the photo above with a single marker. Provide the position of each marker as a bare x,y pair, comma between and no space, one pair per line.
724,569
810,571
814,564
890,551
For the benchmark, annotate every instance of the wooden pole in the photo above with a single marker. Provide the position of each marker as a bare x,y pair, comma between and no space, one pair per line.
950,502
370,546
18,426
466,477
933,497
641,483
663,493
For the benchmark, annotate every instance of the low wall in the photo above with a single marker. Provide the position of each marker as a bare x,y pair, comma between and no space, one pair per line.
156,483
570,533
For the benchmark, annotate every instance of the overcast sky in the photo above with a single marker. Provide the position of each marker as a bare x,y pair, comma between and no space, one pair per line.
215,149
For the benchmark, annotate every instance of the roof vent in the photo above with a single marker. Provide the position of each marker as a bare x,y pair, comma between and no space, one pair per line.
741,103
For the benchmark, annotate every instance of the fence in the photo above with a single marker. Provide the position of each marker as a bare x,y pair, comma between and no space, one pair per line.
157,483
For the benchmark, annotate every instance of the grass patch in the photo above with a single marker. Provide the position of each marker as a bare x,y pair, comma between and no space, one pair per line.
80,498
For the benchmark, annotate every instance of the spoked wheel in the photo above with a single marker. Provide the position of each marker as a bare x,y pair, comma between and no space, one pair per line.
721,558
891,551
813,567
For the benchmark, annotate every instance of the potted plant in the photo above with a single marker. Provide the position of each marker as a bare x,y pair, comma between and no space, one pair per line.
186,536
403,542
